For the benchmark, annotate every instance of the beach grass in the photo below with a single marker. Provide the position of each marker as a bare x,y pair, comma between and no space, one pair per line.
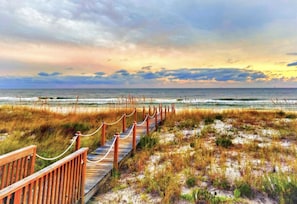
53,132
234,156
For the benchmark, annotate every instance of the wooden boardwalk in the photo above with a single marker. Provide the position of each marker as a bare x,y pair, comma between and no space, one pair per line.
98,173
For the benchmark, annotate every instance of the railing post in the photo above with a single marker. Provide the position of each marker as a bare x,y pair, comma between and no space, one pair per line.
116,152
165,112
143,113
135,114
173,108
156,119
124,123
134,137
168,109
103,134
148,126
161,113
83,178
77,144
33,160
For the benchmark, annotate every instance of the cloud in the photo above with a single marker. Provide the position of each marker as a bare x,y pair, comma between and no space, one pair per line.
109,23
123,78
45,74
292,53
100,73
146,68
292,64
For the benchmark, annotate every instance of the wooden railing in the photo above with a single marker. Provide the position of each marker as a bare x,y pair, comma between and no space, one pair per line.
61,182
17,165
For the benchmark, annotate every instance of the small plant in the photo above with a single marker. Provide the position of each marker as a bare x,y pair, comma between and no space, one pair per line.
219,117
237,193
224,141
204,196
148,142
244,189
208,120
191,181
221,184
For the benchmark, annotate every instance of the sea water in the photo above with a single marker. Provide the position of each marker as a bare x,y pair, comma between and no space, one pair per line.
215,98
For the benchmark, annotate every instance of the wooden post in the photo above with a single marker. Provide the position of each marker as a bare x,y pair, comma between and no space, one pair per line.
143,113
83,178
168,109
103,134
149,110
116,152
124,123
165,112
77,144
33,160
173,108
147,126
161,113
135,114
134,137
156,120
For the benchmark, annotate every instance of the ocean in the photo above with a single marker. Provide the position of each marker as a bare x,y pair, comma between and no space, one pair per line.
213,98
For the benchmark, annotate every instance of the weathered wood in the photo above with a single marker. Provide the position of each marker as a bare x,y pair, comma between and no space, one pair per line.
41,184
16,165
103,134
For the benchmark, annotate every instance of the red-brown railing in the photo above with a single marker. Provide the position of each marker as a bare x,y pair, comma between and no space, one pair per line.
61,182
17,165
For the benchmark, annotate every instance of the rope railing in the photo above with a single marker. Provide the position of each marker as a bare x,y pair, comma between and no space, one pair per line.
153,116
142,123
93,133
57,157
117,120
130,132
102,158
127,116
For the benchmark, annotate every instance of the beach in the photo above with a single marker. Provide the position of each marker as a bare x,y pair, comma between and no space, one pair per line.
213,154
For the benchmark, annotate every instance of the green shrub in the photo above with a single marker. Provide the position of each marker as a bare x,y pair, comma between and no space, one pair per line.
148,142
191,181
221,184
204,196
244,189
223,141
219,117
208,120
237,193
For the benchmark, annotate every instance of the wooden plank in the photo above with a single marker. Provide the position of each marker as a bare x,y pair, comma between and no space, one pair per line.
15,155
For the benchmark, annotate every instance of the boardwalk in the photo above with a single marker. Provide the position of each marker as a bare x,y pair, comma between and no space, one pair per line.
97,173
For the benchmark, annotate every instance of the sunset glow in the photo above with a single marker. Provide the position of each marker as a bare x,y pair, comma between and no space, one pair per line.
134,43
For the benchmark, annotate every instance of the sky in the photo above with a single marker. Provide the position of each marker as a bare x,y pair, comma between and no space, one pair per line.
148,44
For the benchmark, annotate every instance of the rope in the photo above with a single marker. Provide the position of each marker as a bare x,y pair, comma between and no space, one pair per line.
91,134
116,121
128,133
54,158
151,117
142,123
99,160
127,116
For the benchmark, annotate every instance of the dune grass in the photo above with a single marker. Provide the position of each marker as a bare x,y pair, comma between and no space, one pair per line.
52,132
